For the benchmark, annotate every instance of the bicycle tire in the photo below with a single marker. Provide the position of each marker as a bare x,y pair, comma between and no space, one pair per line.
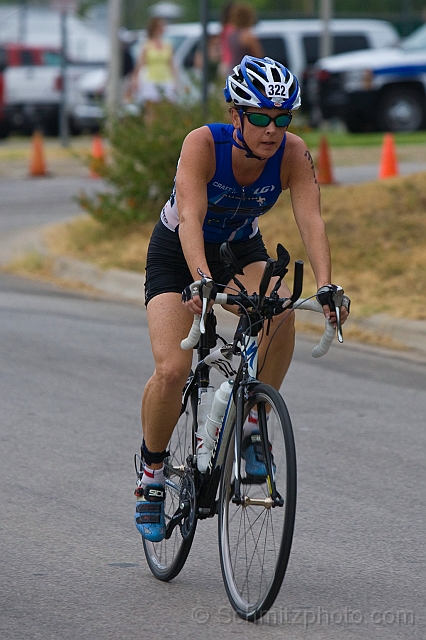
255,541
167,558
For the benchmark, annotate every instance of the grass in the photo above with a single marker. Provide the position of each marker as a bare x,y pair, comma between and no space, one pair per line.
87,239
339,139
377,235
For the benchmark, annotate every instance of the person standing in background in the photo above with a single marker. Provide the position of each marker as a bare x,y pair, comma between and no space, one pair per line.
127,64
154,74
213,56
242,41
227,29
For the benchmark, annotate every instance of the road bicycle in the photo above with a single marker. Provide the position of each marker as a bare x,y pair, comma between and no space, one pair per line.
255,514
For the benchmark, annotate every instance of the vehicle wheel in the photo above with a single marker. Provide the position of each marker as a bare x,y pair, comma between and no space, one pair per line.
166,558
255,538
74,128
4,130
357,124
401,109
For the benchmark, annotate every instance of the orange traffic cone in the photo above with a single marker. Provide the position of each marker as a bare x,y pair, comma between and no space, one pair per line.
324,171
98,156
388,162
37,162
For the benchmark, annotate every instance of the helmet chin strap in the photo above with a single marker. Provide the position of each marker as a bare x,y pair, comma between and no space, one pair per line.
244,146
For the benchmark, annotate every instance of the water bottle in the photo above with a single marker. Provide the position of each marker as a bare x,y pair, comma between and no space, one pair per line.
208,432
205,401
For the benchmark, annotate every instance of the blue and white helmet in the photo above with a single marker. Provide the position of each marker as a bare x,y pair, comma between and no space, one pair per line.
262,82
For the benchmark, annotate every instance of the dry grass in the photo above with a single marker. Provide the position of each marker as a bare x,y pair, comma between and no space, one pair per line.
377,234
86,239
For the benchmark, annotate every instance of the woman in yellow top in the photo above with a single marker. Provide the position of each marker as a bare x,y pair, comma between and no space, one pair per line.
154,75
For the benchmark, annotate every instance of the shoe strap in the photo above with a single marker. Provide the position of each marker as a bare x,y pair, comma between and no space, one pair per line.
154,493
150,513
151,493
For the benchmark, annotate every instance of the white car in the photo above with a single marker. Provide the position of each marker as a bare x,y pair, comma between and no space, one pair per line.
382,90
294,43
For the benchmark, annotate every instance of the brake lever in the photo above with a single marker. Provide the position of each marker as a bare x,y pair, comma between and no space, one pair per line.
206,288
338,299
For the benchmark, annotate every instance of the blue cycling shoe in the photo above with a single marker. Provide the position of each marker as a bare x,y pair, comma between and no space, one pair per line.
252,454
149,516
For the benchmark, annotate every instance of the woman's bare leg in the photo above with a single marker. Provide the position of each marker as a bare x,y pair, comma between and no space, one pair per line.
169,322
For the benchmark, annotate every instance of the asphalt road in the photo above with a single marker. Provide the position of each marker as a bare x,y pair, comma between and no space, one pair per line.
26,205
34,202
364,173
72,370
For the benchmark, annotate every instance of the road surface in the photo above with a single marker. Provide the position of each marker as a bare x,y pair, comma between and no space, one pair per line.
72,370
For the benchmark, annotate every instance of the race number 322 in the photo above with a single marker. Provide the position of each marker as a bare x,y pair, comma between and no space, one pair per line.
276,90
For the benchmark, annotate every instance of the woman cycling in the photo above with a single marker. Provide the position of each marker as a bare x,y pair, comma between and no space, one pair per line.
227,176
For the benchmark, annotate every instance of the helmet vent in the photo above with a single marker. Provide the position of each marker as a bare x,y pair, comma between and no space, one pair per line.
276,75
239,91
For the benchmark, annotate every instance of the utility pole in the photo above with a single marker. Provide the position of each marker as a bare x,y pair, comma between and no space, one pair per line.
64,7
63,109
204,15
23,19
114,66
326,44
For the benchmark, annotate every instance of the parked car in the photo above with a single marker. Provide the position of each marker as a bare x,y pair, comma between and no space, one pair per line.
383,90
31,86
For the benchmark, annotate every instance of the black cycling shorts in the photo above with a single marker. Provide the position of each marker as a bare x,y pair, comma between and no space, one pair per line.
166,268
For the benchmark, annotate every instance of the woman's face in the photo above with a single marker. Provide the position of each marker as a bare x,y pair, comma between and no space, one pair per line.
159,29
263,141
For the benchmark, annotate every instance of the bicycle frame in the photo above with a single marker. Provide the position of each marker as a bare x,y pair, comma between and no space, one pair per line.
246,345
245,377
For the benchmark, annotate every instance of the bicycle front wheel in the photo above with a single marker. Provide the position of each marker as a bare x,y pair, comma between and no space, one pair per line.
166,558
254,536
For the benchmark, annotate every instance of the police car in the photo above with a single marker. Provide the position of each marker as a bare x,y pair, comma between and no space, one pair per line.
380,90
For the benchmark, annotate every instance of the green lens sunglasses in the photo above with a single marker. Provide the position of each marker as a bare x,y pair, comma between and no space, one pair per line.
262,120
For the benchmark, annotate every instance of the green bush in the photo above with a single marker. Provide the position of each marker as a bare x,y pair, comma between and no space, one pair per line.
142,164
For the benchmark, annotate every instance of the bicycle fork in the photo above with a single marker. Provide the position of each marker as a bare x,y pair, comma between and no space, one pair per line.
274,499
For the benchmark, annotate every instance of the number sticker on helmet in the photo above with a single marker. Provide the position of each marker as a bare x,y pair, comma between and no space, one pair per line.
276,90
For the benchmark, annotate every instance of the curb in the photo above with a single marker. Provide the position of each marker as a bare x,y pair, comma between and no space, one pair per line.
118,282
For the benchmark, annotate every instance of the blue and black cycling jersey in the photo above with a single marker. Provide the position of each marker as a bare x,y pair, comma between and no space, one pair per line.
232,210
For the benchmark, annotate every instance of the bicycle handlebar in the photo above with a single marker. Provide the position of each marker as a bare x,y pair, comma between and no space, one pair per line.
304,303
329,331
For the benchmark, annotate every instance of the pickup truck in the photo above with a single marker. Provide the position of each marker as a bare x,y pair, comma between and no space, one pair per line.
30,89
380,90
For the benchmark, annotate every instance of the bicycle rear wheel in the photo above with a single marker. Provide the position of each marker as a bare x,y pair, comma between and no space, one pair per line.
255,539
166,558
